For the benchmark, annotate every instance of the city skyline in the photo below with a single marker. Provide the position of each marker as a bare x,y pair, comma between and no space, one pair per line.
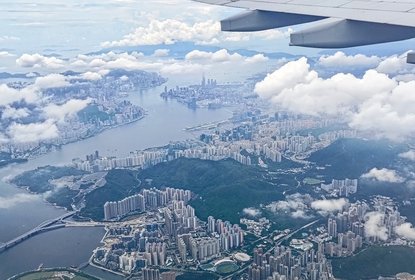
139,141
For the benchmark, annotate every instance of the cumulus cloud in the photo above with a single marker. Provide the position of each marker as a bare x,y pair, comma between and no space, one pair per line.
406,230
10,95
16,200
300,214
170,31
26,133
219,56
258,58
410,155
161,53
395,65
374,103
51,81
224,56
383,175
68,109
295,205
340,59
326,206
375,226
39,61
12,113
196,62
92,76
253,212
3,138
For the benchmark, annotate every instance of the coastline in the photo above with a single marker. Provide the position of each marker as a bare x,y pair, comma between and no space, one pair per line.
59,146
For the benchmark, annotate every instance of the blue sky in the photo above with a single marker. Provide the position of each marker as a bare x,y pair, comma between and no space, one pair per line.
78,26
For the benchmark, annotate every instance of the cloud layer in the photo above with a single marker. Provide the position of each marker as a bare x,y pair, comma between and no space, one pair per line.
375,227
383,175
29,102
374,103
326,206
170,31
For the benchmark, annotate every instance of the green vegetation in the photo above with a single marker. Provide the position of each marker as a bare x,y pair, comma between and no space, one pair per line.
374,262
399,191
38,180
317,131
283,165
285,220
120,184
92,113
226,268
350,158
197,275
54,274
225,187
311,181
62,197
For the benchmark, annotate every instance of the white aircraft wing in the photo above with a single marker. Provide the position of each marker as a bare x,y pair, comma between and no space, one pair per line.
342,23
396,12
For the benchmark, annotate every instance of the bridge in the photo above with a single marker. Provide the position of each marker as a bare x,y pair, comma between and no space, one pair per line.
43,227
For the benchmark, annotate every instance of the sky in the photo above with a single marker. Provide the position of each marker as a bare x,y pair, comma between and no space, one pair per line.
67,26
371,88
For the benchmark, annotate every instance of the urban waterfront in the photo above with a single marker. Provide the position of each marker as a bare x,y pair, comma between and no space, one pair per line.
21,211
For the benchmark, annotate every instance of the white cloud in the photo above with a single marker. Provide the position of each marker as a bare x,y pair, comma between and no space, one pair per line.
51,81
410,155
395,65
340,59
33,132
374,226
295,205
161,53
300,214
219,56
13,113
374,103
383,175
406,230
92,76
223,56
9,95
329,205
253,212
4,54
168,32
68,109
258,58
3,138
16,200
39,61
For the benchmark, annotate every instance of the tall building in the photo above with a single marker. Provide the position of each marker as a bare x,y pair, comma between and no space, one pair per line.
151,274
332,227
170,275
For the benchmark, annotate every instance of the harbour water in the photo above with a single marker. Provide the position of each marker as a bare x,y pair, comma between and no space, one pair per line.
20,211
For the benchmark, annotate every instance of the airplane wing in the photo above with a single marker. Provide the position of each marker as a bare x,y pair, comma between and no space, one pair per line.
341,23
